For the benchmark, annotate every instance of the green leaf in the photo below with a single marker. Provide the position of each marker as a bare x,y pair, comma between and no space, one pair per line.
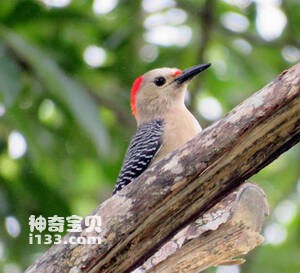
10,82
74,96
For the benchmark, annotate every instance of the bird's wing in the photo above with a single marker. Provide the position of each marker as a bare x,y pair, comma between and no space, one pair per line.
141,150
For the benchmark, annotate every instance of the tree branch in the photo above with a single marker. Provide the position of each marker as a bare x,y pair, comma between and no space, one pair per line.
205,18
229,229
181,187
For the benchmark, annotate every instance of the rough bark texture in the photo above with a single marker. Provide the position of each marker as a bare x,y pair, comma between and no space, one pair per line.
184,185
229,229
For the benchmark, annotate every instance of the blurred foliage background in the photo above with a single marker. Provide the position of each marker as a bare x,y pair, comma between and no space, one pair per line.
66,68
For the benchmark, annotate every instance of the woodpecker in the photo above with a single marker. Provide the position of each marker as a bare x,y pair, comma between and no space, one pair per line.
163,121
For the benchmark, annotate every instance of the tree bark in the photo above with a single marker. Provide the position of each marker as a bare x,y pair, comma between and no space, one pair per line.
181,187
228,230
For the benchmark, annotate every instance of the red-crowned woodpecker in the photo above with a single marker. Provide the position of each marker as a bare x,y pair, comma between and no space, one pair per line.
163,121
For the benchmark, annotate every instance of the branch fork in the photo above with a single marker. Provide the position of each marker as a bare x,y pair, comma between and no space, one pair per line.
182,189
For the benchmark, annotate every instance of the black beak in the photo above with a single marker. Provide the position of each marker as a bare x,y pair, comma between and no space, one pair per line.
191,72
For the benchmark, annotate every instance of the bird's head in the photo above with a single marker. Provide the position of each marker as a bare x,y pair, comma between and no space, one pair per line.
153,93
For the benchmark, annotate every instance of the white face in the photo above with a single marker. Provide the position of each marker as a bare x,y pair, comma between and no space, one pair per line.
158,91
159,79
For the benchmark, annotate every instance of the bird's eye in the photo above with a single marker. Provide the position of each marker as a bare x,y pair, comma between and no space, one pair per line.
159,81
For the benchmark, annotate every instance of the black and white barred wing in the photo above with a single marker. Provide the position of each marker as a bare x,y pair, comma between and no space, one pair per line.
141,150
